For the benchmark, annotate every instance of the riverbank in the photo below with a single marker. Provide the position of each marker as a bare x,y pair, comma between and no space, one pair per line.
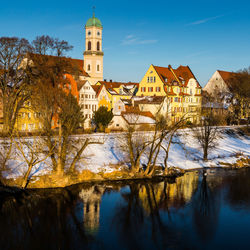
109,160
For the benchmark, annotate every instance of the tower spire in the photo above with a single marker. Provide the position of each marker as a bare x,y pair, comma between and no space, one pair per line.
93,11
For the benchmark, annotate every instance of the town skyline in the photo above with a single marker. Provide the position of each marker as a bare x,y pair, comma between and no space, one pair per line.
136,37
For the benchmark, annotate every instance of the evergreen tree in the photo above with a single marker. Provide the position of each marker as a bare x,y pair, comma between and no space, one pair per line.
102,117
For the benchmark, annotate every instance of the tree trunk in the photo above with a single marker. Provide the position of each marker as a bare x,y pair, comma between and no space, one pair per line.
78,155
26,177
205,153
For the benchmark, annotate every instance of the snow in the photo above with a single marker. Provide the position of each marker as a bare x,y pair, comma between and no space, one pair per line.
138,119
129,86
184,153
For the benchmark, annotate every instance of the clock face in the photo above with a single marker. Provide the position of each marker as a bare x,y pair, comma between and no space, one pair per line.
89,33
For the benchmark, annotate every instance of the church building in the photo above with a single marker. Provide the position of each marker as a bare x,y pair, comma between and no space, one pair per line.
93,54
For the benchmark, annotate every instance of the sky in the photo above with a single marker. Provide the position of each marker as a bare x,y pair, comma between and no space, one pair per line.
205,35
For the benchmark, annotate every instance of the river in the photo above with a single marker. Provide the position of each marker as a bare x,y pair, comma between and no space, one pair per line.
195,211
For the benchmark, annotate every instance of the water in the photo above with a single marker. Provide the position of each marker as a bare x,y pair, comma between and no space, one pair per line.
191,212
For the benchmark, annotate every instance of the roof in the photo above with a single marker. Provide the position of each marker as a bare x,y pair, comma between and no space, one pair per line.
181,75
226,75
93,21
74,63
149,100
80,84
97,89
141,117
127,101
118,84
128,87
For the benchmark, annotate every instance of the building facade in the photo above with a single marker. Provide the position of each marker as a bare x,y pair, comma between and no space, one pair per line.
93,54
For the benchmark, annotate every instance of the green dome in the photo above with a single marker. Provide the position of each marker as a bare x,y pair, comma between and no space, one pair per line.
93,21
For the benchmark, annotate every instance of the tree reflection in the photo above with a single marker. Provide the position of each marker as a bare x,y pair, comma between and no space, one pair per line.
206,206
42,221
141,218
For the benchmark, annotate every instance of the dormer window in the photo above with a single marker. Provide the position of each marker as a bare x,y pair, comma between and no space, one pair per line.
166,79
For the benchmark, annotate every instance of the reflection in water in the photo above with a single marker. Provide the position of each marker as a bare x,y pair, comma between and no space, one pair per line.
184,213
206,207
91,207
167,194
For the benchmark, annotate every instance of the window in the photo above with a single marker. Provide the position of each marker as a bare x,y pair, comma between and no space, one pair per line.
158,89
143,89
191,92
176,99
30,126
150,89
98,46
98,67
89,67
86,96
86,106
151,78
29,115
98,33
89,33
154,78
89,45
148,79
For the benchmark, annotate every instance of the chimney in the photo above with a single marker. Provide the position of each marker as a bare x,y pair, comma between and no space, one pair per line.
110,80
105,80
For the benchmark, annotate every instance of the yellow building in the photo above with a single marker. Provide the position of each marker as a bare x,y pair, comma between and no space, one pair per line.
179,85
28,120
102,96
119,91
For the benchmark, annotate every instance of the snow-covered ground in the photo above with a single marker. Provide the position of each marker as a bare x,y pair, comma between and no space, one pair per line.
184,153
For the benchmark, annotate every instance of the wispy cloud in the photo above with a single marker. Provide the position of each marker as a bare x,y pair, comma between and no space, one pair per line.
133,40
205,20
199,53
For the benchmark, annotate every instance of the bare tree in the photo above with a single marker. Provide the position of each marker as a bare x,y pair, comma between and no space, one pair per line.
13,79
52,98
43,45
33,151
206,133
61,46
239,86
150,145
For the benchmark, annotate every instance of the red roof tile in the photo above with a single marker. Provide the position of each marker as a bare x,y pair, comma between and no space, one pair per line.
74,62
226,76
182,73
97,89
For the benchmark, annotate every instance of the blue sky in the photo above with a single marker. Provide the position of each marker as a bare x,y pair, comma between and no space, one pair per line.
206,35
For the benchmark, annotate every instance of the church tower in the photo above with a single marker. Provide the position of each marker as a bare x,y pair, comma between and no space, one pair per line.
93,54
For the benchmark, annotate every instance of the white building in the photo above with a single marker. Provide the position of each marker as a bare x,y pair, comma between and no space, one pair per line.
218,83
88,101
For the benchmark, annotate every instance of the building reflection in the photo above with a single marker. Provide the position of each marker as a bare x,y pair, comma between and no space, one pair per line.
91,198
166,194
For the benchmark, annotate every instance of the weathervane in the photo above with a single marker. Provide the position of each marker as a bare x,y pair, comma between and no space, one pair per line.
93,11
